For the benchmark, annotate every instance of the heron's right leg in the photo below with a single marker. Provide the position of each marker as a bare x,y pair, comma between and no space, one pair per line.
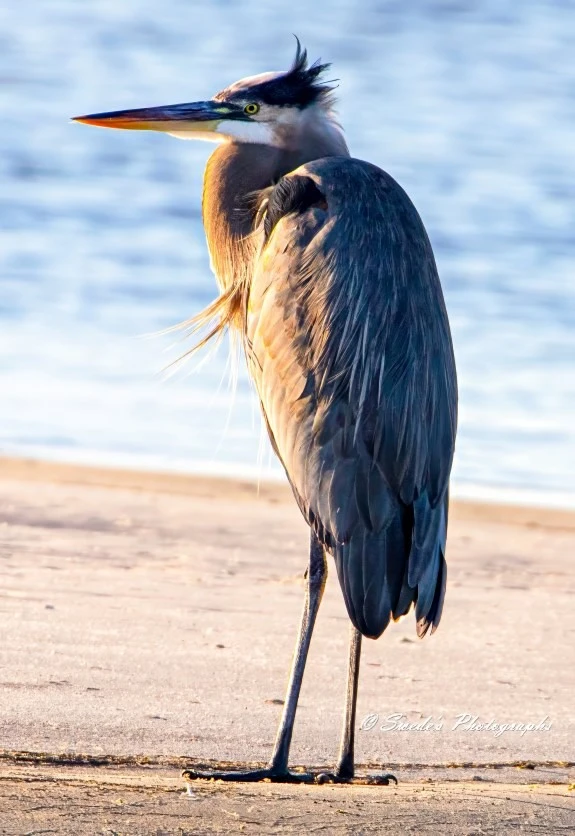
345,770
277,768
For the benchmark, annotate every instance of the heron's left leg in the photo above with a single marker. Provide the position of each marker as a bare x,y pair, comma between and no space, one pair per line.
277,768
345,769
345,763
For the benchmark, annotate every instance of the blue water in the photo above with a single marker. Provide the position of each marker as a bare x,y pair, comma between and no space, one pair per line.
471,106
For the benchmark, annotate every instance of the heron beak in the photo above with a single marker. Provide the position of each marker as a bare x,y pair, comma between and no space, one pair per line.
197,117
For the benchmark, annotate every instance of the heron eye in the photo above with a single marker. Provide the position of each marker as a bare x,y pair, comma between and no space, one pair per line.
251,108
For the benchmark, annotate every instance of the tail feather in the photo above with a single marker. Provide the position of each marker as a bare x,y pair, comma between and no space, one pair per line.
407,595
382,573
352,569
427,585
370,570
429,526
433,616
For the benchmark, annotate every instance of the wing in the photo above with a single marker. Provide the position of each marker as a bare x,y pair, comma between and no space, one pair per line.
349,345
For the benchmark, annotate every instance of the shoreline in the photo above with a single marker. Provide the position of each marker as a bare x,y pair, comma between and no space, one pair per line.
236,488
150,617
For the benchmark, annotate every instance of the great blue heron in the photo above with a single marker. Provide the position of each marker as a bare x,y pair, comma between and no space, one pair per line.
327,273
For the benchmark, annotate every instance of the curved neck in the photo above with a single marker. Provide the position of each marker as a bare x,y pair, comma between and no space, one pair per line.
233,173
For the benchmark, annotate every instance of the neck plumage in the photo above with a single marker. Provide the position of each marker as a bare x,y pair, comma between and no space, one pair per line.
234,174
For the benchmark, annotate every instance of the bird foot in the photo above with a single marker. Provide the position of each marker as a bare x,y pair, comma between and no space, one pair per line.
341,778
276,776
284,776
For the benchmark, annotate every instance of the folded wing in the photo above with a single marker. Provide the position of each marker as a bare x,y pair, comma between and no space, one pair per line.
349,346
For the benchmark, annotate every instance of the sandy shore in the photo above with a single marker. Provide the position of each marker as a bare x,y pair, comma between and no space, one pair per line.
152,616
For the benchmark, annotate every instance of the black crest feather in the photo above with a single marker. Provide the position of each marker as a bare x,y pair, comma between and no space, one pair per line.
300,86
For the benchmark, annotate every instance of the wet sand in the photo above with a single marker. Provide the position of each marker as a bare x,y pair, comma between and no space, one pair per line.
147,620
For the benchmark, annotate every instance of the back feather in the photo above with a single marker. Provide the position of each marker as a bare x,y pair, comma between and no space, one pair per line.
349,346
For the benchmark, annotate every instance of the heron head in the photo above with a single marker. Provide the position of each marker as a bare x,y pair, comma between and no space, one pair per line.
267,109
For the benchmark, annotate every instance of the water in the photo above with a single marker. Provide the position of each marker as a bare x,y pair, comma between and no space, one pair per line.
469,105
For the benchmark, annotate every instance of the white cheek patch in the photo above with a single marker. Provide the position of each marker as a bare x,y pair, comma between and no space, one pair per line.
259,133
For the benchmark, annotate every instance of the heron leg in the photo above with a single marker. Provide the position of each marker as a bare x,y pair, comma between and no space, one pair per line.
277,768
345,763
345,769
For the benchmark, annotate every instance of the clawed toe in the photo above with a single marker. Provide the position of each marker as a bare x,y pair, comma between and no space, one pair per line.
381,779
336,778
252,775
332,778
284,776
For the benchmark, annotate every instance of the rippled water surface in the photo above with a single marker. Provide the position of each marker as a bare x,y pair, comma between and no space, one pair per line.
471,106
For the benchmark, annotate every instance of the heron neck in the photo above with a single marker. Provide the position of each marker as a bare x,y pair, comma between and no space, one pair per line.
233,173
